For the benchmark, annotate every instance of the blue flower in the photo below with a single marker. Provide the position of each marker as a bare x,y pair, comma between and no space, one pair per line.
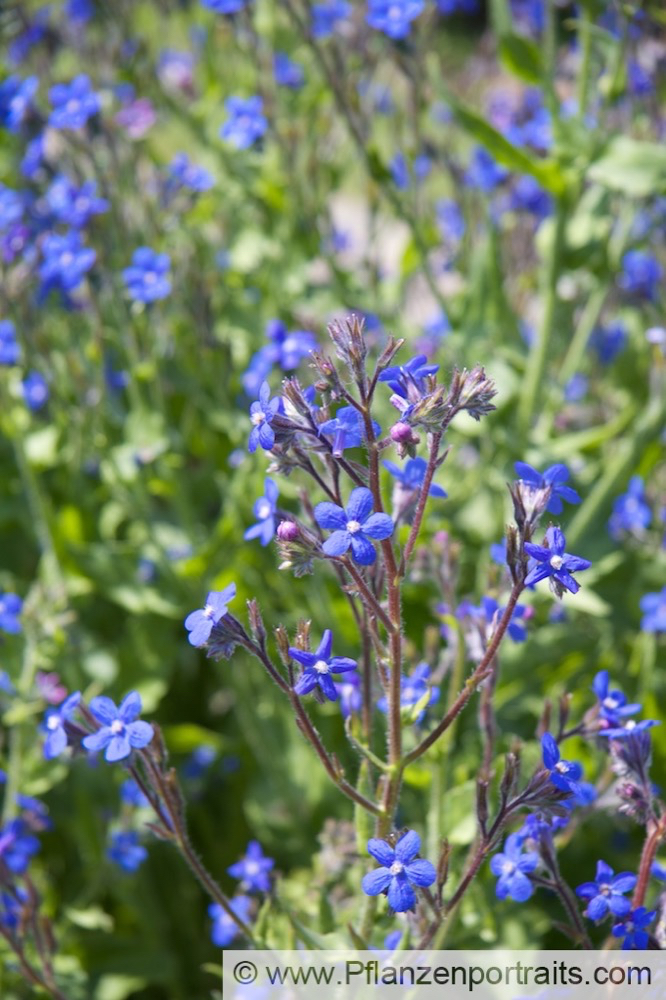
393,17
448,7
412,476
653,606
121,730
576,388
608,341
319,666
632,929
483,172
450,220
498,552
72,204
399,171
287,348
407,379
287,73
199,761
65,262
658,870
399,872
126,851
555,476
16,100
554,562
12,206
564,774
413,689
491,611
10,609
641,274
527,195
17,845
10,351
351,697
35,391
325,16
513,866
185,174
631,513
224,929
246,122
253,869
606,893
613,705
54,726
73,103
131,794
347,429
224,6
354,527
262,413
264,510
200,623
148,278
629,729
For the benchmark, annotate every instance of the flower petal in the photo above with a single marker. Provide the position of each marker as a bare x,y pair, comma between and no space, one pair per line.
381,851
325,646
359,505
118,748
551,752
97,741
306,682
375,882
421,872
328,687
330,517
378,526
340,664
337,544
401,896
362,550
140,734
408,846
103,709
130,707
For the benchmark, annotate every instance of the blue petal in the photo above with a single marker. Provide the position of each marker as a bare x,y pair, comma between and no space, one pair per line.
328,687
55,743
619,905
376,882
360,504
306,682
362,550
302,656
325,646
520,887
330,517
401,896
97,741
337,544
201,632
551,752
130,707
340,664
421,872
598,907
408,846
378,526
266,436
527,473
104,709
118,748
381,851
140,734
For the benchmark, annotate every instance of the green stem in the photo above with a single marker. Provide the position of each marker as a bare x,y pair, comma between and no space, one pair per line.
538,356
586,324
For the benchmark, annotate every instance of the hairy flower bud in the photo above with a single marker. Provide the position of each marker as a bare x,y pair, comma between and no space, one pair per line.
288,531
350,346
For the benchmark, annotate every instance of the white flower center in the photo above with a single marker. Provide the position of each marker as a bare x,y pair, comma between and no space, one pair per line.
73,105
508,868
556,562
611,702
117,727
252,868
561,767
150,277
263,510
605,889
66,258
53,722
258,417
209,611
321,666
631,724
397,868
353,527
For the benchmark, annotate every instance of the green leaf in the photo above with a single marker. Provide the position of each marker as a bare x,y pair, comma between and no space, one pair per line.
546,172
520,56
632,167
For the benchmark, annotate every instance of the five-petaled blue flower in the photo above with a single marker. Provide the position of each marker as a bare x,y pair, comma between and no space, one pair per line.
148,279
264,511
10,351
35,390
393,17
253,869
10,609
325,16
555,476
246,122
629,729
54,726
224,6
224,928
606,893
553,561
353,527
492,612
412,476
410,376
564,774
73,103
513,866
399,872
65,262
74,205
262,413
121,730
200,623
641,274
632,929
413,689
613,705
17,845
319,666
347,429
125,850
